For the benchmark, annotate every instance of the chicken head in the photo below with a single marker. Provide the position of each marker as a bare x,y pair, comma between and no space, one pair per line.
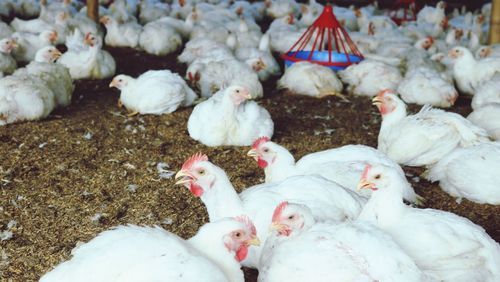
288,219
47,54
386,101
7,45
239,240
197,174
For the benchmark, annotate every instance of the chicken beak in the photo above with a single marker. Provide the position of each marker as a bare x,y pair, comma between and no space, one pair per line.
277,227
376,100
253,153
112,84
56,55
254,241
13,44
364,184
185,176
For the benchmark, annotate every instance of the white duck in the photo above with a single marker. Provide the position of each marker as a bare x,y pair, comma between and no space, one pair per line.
370,77
7,64
444,246
56,76
91,62
159,39
304,78
423,138
153,92
424,85
487,117
121,35
228,119
140,253
28,44
24,98
327,200
470,173
470,73
342,165
302,250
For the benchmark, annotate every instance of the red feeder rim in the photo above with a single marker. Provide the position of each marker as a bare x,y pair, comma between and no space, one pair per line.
409,8
326,25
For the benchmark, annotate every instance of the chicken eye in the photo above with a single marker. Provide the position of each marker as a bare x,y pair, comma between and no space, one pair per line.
237,235
291,217
120,80
377,176
201,172
266,150
237,91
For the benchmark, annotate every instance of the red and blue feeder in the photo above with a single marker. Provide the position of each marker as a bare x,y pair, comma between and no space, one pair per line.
337,52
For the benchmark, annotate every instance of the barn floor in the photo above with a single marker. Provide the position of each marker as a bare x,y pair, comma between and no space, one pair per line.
88,167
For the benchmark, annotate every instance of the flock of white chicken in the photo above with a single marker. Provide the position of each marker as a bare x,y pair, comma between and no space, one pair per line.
334,215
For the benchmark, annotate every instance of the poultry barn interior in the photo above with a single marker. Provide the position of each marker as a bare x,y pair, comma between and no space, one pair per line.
77,159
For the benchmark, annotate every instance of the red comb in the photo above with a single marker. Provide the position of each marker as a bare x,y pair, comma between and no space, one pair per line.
87,35
198,157
260,141
279,210
249,224
365,171
383,92
431,39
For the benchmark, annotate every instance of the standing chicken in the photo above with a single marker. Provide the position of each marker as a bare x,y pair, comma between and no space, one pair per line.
470,73
302,250
445,246
7,64
309,79
470,173
153,92
423,138
228,119
135,253
342,165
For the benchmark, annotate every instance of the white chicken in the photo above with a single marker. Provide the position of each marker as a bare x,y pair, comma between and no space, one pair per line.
487,93
300,250
488,51
159,39
90,62
304,78
470,73
121,35
202,47
151,10
5,30
140,253
426,86
487,117
7,64
280,8
211,75
370,77
327,200
470,173
60,25
153,92
228,119
56,77
342,165
261,60
445,246
423,138
24,98
432,15
28,44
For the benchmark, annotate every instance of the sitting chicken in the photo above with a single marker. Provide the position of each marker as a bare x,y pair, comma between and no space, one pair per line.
24,98
200,47
90,62
56,77
470,73
7,64
301,248
445,246
159,39
424,138
211,75
487,117
28,44
342,165
228,119
151,10
153,92
304,78
487,93
370,77
261,60
5,30
426,86
140,253
327,200
121,35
